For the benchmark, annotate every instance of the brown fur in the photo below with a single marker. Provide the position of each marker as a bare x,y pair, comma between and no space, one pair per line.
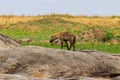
65,36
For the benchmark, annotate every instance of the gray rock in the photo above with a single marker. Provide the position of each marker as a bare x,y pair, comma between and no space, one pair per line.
6,42
54,63
19,77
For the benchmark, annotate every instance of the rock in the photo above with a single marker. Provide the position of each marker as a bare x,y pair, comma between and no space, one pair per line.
6,42
19,77
116,78
25,40
55,63
16,77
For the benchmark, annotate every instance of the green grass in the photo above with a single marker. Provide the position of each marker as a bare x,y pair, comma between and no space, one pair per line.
50,25
39,37
100,47
113,49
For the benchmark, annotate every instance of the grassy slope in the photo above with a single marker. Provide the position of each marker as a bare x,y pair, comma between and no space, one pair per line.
40,28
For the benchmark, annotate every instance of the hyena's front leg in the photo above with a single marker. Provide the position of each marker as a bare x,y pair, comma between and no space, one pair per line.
61,44
67,45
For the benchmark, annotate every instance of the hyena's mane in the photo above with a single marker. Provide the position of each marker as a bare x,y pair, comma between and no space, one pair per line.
58,34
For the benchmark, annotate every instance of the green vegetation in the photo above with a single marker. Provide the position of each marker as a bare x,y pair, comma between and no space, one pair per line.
108,36
40,29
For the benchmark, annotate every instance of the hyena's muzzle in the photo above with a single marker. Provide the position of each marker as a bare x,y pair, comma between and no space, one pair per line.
53,39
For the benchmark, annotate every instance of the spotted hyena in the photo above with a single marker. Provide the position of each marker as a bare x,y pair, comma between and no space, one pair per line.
66,37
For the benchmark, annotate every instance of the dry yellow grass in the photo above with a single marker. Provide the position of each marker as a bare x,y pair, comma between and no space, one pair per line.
90,21
101,21
15,19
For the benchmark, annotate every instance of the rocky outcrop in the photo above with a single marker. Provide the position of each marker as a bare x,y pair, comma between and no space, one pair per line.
16,77
56,63
19,77
25,40
6,42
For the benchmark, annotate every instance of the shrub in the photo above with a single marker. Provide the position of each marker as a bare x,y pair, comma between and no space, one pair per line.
108,36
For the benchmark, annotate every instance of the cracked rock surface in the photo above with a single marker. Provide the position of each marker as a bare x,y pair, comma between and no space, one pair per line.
6,42
40,62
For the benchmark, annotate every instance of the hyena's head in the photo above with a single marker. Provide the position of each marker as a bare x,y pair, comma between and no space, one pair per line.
54,38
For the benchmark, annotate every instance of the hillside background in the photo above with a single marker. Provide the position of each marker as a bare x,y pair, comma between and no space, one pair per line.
93,32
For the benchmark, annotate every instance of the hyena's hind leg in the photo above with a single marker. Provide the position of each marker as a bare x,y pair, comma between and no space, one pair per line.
74,41
74,47
72,44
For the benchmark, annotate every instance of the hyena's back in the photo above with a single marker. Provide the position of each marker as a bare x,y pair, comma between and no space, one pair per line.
64,35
